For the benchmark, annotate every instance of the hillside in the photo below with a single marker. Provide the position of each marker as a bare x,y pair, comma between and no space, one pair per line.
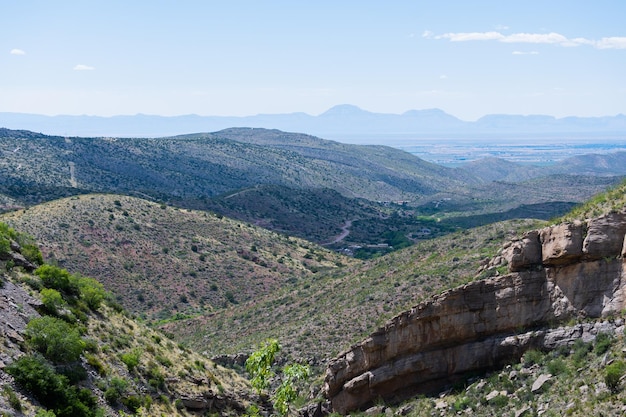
66,348
288,182
194,167
323,315
163,262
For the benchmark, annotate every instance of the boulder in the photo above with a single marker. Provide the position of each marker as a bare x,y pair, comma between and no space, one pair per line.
562,244
605,236
540,382
524,253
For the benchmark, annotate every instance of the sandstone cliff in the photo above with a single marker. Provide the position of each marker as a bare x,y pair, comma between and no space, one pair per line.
572,270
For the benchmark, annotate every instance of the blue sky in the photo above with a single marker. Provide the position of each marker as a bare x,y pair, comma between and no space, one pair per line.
240,58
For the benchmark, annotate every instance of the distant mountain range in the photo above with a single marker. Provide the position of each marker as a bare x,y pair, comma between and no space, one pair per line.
343,122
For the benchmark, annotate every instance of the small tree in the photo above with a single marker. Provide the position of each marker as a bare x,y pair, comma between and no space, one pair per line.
259,365
286,393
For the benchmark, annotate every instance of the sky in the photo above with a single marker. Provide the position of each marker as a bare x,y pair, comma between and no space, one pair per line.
239,58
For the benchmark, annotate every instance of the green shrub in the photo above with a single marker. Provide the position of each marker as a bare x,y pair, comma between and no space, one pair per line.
53,391
133,403
115,391
74,372
556,366
5,246
45,413
38,377
155,377
462,403
32,253
603,343
533,357
95,363
131,359
612,375
92,292
58,279
581,349
500,401
52,301
55,339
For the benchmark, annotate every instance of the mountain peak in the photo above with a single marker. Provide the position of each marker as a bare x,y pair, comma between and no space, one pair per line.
343,110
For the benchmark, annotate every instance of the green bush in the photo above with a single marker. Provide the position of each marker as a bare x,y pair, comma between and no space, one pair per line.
58,279
7,231
32,253
533,357
115,391
53,391
95,363
133,403
38,377
92,292
52,301
5,245
131,359
581,349
612,375
603,343
55,339
557,366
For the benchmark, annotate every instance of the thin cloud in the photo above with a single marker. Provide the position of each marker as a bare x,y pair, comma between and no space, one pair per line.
472,36
614,42
552,38
81,67
17,52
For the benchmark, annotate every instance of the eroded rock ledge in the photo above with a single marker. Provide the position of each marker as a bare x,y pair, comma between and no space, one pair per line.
556,273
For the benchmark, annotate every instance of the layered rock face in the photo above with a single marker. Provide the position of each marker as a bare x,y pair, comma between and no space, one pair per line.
559,272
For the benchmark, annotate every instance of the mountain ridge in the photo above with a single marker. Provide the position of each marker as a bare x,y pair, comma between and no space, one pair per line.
337,122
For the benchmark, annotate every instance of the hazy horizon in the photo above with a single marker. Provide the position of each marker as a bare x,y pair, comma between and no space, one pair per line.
245,58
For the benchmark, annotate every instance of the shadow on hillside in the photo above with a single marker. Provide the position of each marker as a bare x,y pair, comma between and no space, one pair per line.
540,211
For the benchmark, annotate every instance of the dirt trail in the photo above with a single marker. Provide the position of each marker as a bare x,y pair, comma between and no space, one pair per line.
73,181
345,231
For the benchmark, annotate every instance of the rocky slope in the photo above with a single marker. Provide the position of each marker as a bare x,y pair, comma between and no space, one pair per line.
569,271
122,366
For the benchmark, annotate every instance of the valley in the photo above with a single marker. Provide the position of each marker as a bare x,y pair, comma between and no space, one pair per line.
223,240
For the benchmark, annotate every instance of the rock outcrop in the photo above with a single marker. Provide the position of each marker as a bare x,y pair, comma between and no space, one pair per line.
571,270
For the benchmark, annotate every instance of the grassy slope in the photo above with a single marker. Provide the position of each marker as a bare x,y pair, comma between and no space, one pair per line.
324,314
160,260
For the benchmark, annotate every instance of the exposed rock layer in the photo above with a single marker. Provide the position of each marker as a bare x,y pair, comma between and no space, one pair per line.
559,272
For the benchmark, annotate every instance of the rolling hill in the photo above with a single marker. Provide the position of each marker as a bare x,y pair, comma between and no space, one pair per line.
164,262
288,182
